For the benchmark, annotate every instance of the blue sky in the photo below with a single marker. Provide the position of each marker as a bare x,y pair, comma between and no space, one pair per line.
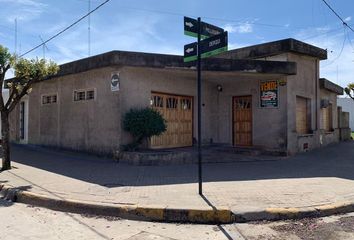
157,26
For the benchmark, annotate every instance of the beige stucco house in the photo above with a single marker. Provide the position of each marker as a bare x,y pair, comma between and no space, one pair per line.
267,96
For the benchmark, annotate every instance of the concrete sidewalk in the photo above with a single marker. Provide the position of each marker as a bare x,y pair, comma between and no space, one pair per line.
317,183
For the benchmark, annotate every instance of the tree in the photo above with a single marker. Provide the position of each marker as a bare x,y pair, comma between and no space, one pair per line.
26,72
349,90
143,124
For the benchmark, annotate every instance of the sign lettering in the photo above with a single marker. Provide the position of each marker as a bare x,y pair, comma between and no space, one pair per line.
269,94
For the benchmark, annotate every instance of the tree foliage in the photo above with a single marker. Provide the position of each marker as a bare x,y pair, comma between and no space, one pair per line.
349,90
143,124
26,73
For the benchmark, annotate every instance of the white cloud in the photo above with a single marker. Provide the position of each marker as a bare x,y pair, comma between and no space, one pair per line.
124,35
348,19
240,28
22,10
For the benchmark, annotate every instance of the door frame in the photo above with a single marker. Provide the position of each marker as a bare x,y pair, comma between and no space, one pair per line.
233,120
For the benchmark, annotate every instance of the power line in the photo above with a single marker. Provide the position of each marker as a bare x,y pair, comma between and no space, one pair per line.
65,29
342,20
321,34
341,51
205,17
349,40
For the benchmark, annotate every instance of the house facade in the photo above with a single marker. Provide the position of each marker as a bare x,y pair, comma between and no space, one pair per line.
267,96
347,105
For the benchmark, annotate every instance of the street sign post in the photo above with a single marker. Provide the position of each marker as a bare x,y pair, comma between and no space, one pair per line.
211,40
199,78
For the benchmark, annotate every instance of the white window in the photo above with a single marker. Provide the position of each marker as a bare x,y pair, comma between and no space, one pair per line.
49,99
83,95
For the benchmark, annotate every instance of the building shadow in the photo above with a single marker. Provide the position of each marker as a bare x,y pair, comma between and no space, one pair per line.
333,161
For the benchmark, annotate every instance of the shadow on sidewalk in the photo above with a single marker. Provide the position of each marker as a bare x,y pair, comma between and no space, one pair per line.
332,161
7,198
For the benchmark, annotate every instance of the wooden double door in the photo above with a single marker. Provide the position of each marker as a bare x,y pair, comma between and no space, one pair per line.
178,113
242,121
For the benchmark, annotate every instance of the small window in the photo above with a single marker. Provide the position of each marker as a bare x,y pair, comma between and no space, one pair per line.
79,95
157,101
48,99
90,95
171,102
82,95
186,104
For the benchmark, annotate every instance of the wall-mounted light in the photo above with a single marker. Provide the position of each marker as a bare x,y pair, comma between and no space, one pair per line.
219,87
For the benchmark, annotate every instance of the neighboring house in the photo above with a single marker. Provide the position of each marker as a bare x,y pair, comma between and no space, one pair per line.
266,96
347,105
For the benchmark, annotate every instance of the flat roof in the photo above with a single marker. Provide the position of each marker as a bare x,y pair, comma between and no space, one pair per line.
152,60
276,48
331,86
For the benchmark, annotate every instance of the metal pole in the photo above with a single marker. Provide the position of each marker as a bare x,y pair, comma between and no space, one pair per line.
200,183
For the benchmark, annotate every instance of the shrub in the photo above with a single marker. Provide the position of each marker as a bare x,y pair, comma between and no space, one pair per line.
143,124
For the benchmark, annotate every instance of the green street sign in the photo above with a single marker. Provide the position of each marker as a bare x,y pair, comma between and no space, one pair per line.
190,27
207,30
214,45
208,47
190,52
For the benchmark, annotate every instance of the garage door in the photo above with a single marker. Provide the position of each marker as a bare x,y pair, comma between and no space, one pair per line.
178,112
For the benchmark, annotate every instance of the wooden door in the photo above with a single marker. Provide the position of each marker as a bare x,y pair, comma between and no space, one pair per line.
178,113
302,126
242,121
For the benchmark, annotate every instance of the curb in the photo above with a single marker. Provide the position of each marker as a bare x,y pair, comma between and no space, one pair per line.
161,213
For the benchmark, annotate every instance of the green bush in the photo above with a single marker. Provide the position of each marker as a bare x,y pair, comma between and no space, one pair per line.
143,124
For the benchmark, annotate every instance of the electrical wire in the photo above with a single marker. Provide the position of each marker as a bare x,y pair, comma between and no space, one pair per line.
340,18
205,17
349,40
65,29
321,34
341,51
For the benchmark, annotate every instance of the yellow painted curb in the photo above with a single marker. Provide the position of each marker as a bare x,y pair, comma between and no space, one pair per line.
165,214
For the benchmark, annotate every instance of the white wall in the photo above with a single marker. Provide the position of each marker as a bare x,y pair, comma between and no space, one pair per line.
347,105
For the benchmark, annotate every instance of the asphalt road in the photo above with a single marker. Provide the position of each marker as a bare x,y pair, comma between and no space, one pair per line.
24,222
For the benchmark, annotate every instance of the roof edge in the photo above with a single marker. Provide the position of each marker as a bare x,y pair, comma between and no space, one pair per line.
276,48
331,86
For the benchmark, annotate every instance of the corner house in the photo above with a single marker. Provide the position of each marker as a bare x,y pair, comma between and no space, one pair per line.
267,96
